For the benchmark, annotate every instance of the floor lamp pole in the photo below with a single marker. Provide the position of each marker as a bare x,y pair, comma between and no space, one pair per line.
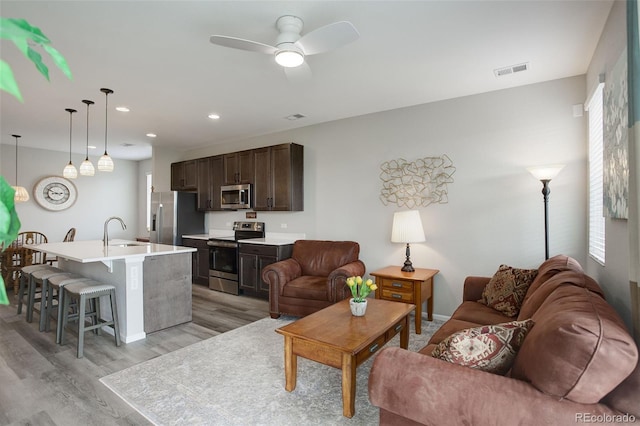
545,195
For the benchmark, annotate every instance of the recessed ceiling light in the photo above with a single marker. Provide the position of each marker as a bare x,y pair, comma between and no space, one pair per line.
122,109
214,116
151,135
91,147
293,117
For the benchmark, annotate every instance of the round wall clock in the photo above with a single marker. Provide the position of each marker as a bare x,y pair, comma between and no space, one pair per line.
55,193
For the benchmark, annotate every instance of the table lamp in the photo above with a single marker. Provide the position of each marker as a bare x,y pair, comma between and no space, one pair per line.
407,228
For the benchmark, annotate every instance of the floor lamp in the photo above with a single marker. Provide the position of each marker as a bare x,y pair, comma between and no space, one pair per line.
407,228
544,174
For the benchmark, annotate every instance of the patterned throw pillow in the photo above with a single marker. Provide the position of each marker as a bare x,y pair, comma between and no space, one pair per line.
507,288
491,348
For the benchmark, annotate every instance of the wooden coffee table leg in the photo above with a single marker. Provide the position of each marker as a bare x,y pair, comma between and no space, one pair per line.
348,385
404,333
290,364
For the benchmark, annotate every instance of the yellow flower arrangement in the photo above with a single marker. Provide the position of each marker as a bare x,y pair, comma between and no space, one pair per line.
360,288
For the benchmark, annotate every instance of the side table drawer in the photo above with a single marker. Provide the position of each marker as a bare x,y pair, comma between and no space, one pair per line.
397,328
396,284
397,295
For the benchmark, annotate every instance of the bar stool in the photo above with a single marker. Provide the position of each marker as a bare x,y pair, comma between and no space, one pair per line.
83,292
55,285
25,276
40,278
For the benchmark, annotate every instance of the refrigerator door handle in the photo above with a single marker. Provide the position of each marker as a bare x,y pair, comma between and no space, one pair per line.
160,224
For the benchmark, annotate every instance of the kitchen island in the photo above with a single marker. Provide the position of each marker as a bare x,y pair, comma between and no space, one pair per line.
153,281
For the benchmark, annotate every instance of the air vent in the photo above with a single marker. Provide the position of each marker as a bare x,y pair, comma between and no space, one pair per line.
293,117
511,69
126,144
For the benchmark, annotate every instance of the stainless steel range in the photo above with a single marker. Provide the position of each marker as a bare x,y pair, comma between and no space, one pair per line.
223,256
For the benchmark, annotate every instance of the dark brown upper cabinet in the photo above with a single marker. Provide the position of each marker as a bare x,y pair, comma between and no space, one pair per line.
238,167
278,178
184,176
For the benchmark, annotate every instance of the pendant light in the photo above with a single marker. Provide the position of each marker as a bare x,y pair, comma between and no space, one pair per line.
21,193
105,163
70,171
86,168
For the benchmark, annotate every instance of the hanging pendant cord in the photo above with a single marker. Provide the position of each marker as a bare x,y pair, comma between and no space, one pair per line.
70,111
16,136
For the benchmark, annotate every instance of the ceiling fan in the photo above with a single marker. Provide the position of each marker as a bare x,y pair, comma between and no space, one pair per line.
291,47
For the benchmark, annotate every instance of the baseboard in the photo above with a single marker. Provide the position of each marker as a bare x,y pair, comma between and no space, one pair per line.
441,317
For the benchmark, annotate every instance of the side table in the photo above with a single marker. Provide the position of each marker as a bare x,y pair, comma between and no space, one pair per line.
407,287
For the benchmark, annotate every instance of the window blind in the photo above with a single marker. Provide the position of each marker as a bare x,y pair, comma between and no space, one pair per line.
596,148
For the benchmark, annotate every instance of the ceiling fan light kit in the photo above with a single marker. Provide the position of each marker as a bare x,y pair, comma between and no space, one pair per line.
291,48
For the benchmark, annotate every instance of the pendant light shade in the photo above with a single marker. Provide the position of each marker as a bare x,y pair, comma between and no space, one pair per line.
105,163
70,171
21,194
86,168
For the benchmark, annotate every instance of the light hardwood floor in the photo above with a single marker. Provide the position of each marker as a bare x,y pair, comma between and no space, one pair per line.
42,383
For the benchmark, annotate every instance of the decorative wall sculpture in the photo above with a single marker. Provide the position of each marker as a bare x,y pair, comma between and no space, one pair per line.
418,183
616,142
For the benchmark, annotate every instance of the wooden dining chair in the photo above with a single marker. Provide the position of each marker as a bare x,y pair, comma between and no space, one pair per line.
71,235
16,256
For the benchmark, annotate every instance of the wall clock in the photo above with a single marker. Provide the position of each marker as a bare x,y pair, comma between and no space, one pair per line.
55,193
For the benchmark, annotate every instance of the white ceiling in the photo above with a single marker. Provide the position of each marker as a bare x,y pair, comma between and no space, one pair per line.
157,58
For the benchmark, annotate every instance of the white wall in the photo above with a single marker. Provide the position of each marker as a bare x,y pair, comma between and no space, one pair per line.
614,275
144,168
495,209
99,196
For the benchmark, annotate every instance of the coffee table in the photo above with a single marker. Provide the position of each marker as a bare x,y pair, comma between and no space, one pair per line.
334,337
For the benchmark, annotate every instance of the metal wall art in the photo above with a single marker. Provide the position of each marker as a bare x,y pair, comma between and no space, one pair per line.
616,142
418,183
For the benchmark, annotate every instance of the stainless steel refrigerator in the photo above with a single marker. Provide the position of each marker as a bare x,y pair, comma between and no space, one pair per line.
174,214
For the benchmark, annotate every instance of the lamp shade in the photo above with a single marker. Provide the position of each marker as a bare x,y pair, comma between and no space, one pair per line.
407,227
21,194
545,172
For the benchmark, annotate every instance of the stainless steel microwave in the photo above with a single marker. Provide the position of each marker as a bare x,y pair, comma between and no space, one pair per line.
235,196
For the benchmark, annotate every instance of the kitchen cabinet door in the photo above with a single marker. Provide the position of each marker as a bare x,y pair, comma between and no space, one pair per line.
238,167
184,176
252,258
278,173
199,260
210,177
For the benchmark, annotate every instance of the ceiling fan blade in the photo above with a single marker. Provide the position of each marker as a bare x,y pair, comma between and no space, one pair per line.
239,43
299,74
327,38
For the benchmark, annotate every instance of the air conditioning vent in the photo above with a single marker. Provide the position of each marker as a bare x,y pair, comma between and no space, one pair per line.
511,69
293,117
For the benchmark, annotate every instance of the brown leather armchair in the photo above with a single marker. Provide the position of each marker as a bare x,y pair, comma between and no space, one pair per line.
313,278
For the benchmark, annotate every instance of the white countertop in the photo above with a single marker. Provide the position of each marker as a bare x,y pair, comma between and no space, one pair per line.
94,250
197,236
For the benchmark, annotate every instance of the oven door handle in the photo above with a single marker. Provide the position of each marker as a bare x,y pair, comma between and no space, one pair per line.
226,244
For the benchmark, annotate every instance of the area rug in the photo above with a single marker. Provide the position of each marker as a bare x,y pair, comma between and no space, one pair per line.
237,378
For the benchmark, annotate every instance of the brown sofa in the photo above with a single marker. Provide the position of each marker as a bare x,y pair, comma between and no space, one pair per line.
577,364
313,278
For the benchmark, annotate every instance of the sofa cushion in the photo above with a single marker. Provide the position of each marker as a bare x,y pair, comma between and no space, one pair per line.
479,314
307,287
579,349
449,327
507,288
320,258
490,348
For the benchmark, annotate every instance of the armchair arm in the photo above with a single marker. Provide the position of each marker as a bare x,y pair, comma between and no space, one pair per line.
434,392
279,273
337,280
473,287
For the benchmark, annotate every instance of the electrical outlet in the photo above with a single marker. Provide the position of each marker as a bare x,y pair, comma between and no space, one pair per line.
283,225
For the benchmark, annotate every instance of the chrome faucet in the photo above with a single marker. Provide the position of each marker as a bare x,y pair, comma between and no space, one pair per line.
105,237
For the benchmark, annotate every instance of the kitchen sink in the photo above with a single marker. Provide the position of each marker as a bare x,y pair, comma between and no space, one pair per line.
128,244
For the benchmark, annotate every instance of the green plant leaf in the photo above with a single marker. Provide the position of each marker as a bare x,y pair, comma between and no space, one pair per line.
9,222
36,58
11,28
58,59
8,82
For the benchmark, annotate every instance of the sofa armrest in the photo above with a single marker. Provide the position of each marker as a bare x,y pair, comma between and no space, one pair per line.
434,392
337,280
279,273
473,287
